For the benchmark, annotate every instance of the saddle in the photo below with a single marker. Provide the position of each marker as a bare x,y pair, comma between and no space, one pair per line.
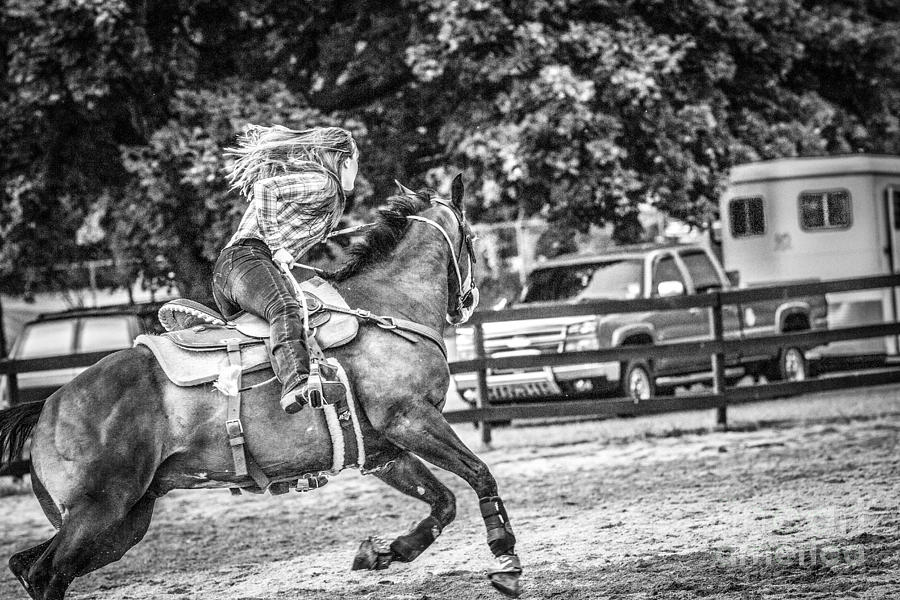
201,345
195,348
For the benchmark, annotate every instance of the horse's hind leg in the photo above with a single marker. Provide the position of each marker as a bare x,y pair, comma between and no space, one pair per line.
94,533
21,562
409,475
117,540
422,429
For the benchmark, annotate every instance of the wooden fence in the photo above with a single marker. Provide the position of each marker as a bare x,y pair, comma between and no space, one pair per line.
716,347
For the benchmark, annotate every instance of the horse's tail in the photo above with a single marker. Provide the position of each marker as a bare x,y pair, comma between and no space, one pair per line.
16,424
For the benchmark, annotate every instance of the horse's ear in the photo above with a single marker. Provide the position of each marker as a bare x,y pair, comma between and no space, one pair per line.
403,190
456,191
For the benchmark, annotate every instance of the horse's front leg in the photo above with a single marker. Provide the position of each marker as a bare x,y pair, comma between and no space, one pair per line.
421,429
409,475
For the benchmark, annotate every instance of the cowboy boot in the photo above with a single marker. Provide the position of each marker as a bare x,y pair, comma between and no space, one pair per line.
294,395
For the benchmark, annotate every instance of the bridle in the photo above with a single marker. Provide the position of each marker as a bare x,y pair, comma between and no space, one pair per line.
466,291
467,295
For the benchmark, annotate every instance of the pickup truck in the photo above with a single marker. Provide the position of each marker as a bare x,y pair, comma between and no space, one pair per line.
72,332
645,271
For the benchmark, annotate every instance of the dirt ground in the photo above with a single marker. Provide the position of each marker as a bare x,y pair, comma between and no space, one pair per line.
800,501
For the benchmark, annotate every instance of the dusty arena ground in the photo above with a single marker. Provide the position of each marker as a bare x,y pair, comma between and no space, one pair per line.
801,501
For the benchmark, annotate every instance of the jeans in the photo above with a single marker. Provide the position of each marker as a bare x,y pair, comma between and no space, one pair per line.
246,278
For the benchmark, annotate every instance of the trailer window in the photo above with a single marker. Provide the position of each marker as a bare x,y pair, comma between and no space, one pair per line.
825,210
747,216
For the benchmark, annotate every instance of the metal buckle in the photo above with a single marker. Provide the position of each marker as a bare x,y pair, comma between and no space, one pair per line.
229,427
387,323
365,314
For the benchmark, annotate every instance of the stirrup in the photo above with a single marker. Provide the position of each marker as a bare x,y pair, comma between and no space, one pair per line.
315,392
324,388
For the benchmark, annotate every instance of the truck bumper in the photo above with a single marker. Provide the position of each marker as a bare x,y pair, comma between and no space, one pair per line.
531,384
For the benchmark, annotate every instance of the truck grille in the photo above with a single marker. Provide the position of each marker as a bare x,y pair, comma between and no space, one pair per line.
544,341
516,391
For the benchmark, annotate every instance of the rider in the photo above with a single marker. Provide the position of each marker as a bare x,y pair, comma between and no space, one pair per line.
295,182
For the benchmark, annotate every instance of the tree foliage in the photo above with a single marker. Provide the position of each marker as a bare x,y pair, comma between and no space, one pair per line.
116,112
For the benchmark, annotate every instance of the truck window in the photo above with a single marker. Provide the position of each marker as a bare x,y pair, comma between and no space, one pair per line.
615,279
747,216
666,269
825,210
104,333
48,338
702,271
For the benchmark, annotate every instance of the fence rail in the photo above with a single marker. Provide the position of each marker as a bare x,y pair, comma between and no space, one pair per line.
716,347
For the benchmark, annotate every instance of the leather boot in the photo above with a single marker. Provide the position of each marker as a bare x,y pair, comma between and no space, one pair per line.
294,395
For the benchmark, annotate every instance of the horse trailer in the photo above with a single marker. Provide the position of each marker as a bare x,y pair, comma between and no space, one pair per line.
820,218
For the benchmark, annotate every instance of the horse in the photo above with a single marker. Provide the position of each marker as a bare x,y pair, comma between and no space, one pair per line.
120,435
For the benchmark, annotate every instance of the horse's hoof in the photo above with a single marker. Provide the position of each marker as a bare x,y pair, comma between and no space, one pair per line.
507,583
374,554
505,575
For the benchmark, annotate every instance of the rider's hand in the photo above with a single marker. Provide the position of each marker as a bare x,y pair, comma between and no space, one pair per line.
284,257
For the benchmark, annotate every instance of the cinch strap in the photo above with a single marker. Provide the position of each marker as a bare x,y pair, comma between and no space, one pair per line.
243,461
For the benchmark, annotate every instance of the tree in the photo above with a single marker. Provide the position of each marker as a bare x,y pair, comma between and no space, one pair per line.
575,110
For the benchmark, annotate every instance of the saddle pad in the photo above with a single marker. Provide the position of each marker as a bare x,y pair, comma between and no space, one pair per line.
189,367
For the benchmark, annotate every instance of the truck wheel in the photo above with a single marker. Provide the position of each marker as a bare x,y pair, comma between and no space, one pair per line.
637,381
790,365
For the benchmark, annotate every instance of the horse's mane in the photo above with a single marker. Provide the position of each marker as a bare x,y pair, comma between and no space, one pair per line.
381,238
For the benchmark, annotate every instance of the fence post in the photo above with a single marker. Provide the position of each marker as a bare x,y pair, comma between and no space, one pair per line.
483,399
11,381
718,362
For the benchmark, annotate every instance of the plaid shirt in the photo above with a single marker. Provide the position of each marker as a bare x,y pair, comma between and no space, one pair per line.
294,212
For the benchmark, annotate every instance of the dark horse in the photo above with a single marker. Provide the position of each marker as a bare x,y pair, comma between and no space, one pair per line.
120,435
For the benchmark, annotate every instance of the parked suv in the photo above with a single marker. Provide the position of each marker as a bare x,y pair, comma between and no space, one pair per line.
73,332
646,271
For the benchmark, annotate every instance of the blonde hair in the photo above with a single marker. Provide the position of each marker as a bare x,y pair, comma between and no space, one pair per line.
264,152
